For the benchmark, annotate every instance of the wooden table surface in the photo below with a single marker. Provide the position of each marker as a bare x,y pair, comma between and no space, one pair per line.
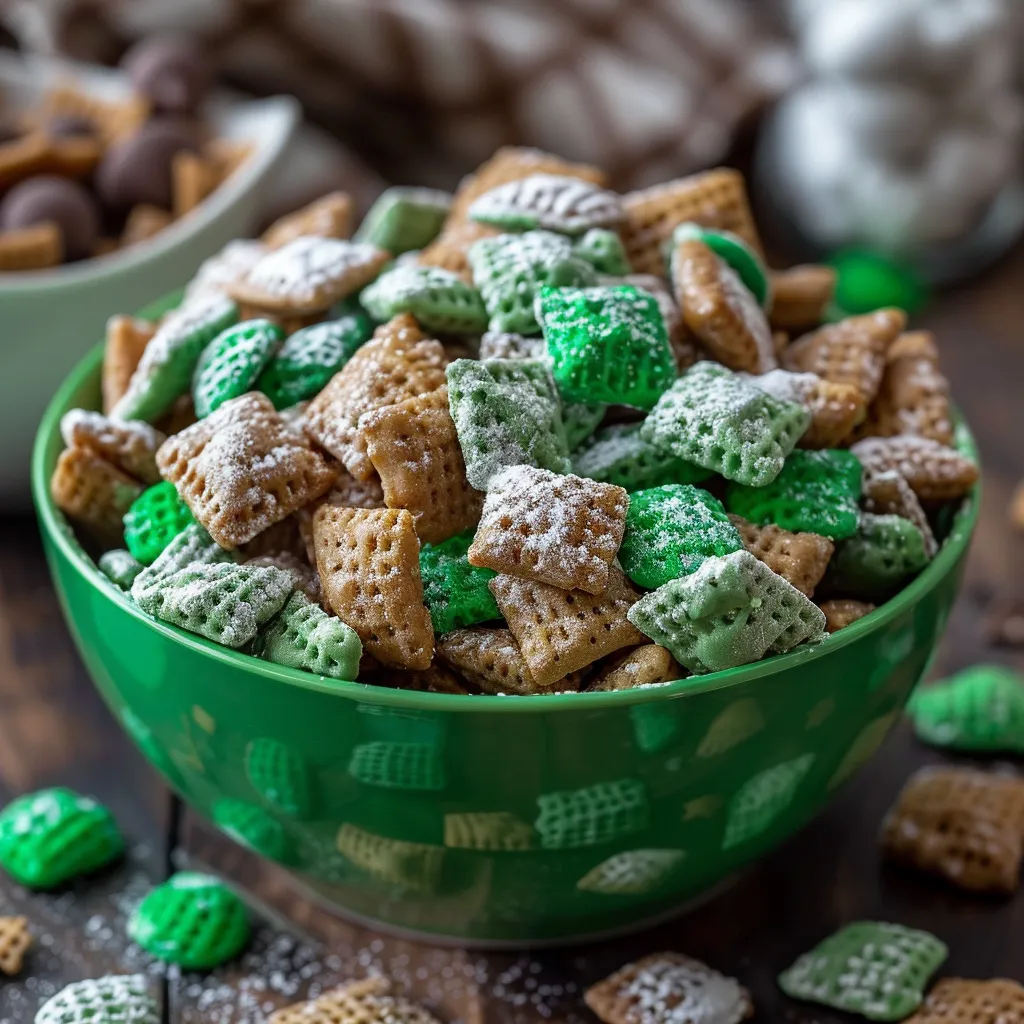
55,730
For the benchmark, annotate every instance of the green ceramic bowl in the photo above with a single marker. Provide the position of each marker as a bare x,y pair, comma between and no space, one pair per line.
496,820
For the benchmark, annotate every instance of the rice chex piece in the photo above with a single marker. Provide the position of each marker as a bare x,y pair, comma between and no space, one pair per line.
398,363
490,659
562,530
369,567
92,492
232,362
304,636
717,419
155,518
450,250
618,454
934,471
649,665
669,987
15,940
960,1001
404,218
551,201
130,445
801,295
562,631
241,469
888,493
439,299
415,450
841,612
126,340
801,558
602,248
120,567
507,345
356,1002
580,420
330,216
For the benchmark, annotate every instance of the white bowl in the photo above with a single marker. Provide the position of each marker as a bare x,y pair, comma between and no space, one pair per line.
49,318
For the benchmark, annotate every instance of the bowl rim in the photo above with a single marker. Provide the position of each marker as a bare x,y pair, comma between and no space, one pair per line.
60,533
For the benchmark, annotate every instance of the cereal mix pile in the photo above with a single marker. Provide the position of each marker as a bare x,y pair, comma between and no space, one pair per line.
534,437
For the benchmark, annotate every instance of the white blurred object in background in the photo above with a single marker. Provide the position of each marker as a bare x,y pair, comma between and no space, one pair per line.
908,126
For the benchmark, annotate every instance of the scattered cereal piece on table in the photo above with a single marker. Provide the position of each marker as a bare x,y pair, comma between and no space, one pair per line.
439,299
649,665
669,986
49,837
120,567
962,1001
618,454
15,940
231,363
403,218
882,554
92,492
844,611
454,591
562,530
304,636
801,558
875,969
330,216
153,520
934,471
191,920
553,202
113,999
356,1002
126,340
962,824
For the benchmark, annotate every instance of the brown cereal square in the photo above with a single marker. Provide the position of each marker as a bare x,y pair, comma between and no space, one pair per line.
369,564
841,612
962,1001
130,445
836,410
241,469
347,492
397,364
563,631
934,471
801,295
15,940
489,658
649,665
960,823
415,450
193,178
450,250
127,338
889,493
562,530
368,1001
36,247
801,558
330,216
94,493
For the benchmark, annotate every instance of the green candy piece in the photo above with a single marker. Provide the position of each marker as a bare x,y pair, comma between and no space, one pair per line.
880,556
154,519
619,455
671,530
169,360
732,611
510,270
224,602
232,362
717,419
866,281
507,413
816,492
580,420
280,776
403,219
981,708
735,252
114,999
873,968
49,837
192,920
607,344
254,829
602,248
193,546
439,299
120,567
598,814
310,357
304,636
455,592
390,765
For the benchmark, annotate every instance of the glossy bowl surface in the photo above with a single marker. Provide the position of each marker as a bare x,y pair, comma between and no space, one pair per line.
497,820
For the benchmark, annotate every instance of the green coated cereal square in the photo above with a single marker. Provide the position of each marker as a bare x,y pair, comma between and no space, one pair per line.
304,636
455,592
153,520
439,299
618,454
880,556
230,365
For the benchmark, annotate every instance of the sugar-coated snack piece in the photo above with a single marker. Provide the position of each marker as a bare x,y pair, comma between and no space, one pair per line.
308,274
606,344
883,552
369,567
92,492
311,356
232,263
154,519
221,601
120,567
816,492
15,940
450,250
954,1000
888,493
717,419
550,201
330,216
454,591
801,558
510,271
732,611
398,363
169,360
683,989
607,811
872,968
671,530
508,345
490,659
193,546
720,310
507,413
304,576
415,450
369,1000
51,836
562,530
801,295
649,665
979,708
126,340
304,636
112,999
403,218
602,248
852,351
841,612
580,420
934,471
242,469
618,454
735,252
439,299
562,631
962,824
192,920
231,363
130,445
714,199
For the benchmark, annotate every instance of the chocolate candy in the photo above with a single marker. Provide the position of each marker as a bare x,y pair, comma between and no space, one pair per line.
138,169
48,198
172,72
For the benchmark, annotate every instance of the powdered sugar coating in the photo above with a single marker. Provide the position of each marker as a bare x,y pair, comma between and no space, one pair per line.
618,454
115,999
129,444
551,201
231,363
439,299
226,267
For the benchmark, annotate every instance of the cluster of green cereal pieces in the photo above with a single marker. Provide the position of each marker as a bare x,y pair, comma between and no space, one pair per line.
979,709
455,592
